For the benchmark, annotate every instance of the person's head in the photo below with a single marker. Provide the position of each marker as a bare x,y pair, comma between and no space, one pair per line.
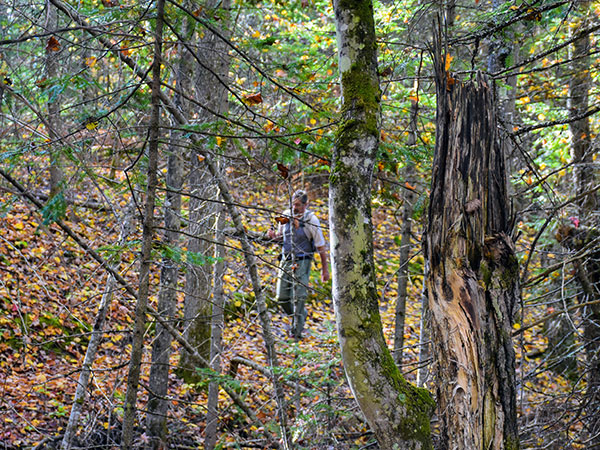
299,202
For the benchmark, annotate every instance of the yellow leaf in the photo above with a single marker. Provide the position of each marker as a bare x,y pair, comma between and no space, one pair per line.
90,61
18,226
268,126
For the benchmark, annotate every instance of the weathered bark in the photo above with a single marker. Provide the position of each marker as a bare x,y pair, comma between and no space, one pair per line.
397,412
147,241
473,271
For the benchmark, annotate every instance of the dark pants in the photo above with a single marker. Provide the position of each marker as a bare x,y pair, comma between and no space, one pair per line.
292,290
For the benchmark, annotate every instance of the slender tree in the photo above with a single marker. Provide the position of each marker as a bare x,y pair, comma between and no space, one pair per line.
95,339
135,362
54,101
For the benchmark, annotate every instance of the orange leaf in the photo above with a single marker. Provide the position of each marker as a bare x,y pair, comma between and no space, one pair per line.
447,63
125,51
253,99
282,220
268,126
52,45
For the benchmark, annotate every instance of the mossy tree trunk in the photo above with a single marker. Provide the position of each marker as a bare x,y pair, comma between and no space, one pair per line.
473,272
398,412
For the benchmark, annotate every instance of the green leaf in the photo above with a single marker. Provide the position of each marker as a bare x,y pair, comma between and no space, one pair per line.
55,209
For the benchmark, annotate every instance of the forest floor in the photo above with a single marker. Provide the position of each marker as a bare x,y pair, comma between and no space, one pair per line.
49,292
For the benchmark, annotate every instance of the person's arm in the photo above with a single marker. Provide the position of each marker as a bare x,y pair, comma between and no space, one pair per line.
324,263
275,235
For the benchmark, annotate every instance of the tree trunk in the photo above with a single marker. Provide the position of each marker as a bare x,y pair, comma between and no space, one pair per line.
56,171
473,271
147,241
588,271
167,300
213,66
216,347
406,234
397,412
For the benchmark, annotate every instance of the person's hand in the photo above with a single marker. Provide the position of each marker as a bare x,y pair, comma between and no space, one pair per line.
325,274
272,233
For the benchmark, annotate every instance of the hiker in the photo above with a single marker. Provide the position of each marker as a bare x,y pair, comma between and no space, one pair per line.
301,234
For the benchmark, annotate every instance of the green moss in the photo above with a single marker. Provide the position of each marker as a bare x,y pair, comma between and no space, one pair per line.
418,402
511,443
486,273
360,113
510,274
